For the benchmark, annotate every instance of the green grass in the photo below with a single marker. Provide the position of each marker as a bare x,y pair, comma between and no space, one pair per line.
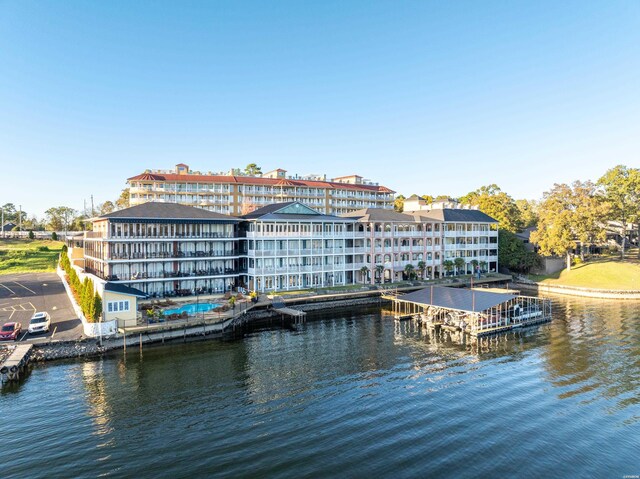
608,273
28,256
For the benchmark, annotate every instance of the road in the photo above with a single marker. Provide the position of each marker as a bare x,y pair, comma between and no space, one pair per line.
21,295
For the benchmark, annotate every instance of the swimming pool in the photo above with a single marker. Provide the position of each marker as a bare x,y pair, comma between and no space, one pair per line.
192,308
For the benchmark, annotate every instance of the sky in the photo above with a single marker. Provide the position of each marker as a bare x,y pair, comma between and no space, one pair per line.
426,97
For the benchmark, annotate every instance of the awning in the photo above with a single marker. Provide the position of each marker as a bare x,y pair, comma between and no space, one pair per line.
457,298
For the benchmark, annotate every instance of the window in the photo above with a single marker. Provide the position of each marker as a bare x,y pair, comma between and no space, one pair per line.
115,306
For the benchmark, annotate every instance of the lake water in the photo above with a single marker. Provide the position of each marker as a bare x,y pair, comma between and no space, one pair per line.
350,394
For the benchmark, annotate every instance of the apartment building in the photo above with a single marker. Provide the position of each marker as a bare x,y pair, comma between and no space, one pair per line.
164,249
236,194
292,246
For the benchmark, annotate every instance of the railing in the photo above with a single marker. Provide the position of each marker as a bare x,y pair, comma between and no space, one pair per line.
180,236
195,274
179,255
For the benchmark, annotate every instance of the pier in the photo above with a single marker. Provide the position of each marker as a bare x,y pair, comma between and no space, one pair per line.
474,312
278,305
16,363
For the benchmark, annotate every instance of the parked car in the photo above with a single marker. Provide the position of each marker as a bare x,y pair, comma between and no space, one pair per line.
10,331
40,323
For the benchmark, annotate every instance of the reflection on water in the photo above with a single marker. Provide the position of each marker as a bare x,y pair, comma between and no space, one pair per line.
350,393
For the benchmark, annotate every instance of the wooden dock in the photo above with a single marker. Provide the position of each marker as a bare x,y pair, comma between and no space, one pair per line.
15,364
297,315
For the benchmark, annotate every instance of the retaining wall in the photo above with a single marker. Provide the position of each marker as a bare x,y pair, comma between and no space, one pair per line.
575,291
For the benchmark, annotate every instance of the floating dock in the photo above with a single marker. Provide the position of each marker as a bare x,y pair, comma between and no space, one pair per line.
16,363
472,311
280,307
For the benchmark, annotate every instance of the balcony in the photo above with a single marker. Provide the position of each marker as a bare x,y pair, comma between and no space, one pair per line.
155,276
172,255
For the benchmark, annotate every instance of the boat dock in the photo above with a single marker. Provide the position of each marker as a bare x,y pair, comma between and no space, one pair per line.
474,312
16,363
278,305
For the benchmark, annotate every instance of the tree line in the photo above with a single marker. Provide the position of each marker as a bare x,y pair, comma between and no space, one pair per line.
62,218
566,221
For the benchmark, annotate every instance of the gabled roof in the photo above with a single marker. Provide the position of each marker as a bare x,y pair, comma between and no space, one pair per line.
382,214
122,289
457,215
174,211
291,210
457,298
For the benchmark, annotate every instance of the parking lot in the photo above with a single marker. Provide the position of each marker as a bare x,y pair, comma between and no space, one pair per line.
21,295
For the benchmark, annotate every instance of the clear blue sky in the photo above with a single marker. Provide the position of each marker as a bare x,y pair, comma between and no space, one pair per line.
425,97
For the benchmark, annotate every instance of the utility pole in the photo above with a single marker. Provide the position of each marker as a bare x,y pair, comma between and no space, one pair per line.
92,210
20,220
2,208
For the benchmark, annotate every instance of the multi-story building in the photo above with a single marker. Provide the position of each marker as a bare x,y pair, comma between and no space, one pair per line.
164,249
236,194
424,236
292,246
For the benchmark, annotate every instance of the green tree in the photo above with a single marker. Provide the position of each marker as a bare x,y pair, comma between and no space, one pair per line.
568,214
97,307
252,170
590,213
13,214
528,212
422,266
123,200
106,208
448,265
459,264
398,203
497,204
621,189
85,294
379,271
54,236
427,198
409,270
513,253
60,218
31,235
364,271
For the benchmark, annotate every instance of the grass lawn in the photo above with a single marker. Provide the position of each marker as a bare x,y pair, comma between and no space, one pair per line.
601,274
28,256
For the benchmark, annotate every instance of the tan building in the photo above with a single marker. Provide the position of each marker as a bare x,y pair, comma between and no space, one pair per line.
236,194
120,302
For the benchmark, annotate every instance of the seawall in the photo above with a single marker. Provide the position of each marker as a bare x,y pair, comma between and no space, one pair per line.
576,291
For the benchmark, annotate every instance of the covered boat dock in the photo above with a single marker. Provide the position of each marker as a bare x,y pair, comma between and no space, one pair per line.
470,311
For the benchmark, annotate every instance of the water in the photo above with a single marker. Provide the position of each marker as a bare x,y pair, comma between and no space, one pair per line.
349,395
192,308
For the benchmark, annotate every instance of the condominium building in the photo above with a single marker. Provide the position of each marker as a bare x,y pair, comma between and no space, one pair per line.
164,249
237,194
429,239
292,246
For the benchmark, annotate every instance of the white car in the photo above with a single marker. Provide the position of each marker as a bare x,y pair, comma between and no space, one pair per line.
40,323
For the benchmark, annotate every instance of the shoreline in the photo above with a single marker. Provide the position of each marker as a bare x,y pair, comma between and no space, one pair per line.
577,291
90,347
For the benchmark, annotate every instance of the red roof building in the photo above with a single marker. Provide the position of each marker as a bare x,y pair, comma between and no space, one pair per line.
236,194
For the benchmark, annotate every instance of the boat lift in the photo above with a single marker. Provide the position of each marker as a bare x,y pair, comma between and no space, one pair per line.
471,311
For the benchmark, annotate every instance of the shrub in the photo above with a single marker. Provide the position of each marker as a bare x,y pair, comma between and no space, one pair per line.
42,248
54,236
31,235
